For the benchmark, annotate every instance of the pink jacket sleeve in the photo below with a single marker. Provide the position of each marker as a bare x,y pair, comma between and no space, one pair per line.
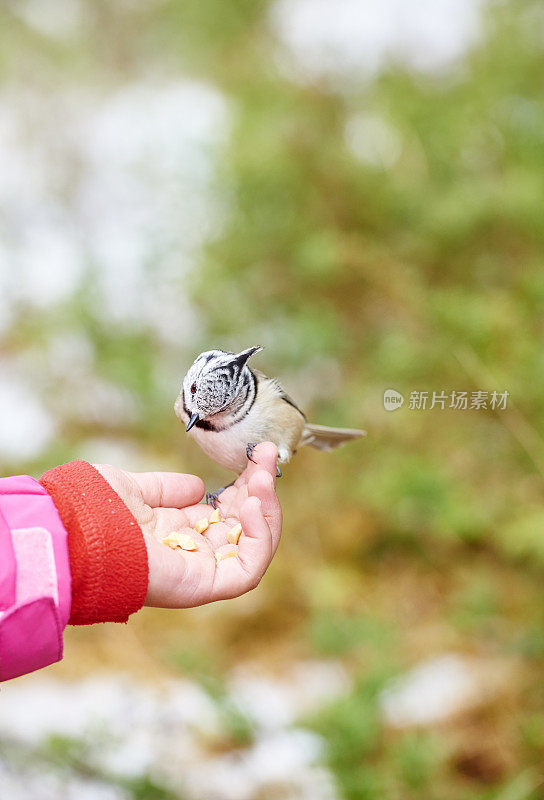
35,591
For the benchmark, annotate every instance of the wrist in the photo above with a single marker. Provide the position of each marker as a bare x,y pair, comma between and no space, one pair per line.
108,556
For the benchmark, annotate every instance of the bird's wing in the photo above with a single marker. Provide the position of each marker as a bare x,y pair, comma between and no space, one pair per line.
323,438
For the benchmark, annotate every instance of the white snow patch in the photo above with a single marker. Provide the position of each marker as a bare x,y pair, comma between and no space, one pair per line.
37,783
438,689
282,765
356,38
276,702
132,730
27,428
118,186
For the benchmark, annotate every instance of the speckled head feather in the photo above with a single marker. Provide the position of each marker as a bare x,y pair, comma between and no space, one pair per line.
217,381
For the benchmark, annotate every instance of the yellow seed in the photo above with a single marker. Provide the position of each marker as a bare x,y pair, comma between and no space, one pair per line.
201,525
174,535
234,534
179,539
228,554
215,516
171,540
187,542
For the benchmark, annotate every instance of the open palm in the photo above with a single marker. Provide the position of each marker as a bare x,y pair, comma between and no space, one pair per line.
162,502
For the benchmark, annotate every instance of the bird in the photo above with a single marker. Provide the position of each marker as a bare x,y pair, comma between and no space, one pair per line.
228,408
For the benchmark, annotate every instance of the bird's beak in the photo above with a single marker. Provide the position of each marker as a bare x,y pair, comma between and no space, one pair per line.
192,421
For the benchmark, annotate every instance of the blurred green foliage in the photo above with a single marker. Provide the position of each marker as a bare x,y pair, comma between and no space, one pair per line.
422,273
370,765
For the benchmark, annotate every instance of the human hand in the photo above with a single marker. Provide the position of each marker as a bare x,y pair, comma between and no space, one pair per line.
162,502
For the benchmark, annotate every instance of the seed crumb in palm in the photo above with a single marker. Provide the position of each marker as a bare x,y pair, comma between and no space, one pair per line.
234,534
182,540
228,554
201,525
215,516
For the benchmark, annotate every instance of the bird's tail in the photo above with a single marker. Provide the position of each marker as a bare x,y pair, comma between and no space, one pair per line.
323,438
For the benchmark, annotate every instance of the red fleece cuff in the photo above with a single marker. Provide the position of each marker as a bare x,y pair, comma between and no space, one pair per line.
108,556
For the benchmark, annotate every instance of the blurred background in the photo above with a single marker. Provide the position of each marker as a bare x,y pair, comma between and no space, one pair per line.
358,187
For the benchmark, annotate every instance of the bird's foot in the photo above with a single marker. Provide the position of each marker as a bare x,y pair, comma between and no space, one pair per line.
249,453
211,497
249,450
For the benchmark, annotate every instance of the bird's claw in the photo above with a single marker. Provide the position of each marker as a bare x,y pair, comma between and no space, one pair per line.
211,498
249,450
249,453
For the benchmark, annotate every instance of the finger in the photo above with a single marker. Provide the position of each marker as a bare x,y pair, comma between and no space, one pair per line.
261,485
265,456
255,544
235,576
232,498
169,489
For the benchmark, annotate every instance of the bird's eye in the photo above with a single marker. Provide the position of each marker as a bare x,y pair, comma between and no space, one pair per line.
193,388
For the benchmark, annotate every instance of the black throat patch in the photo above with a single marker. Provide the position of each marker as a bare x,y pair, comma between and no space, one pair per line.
200,423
